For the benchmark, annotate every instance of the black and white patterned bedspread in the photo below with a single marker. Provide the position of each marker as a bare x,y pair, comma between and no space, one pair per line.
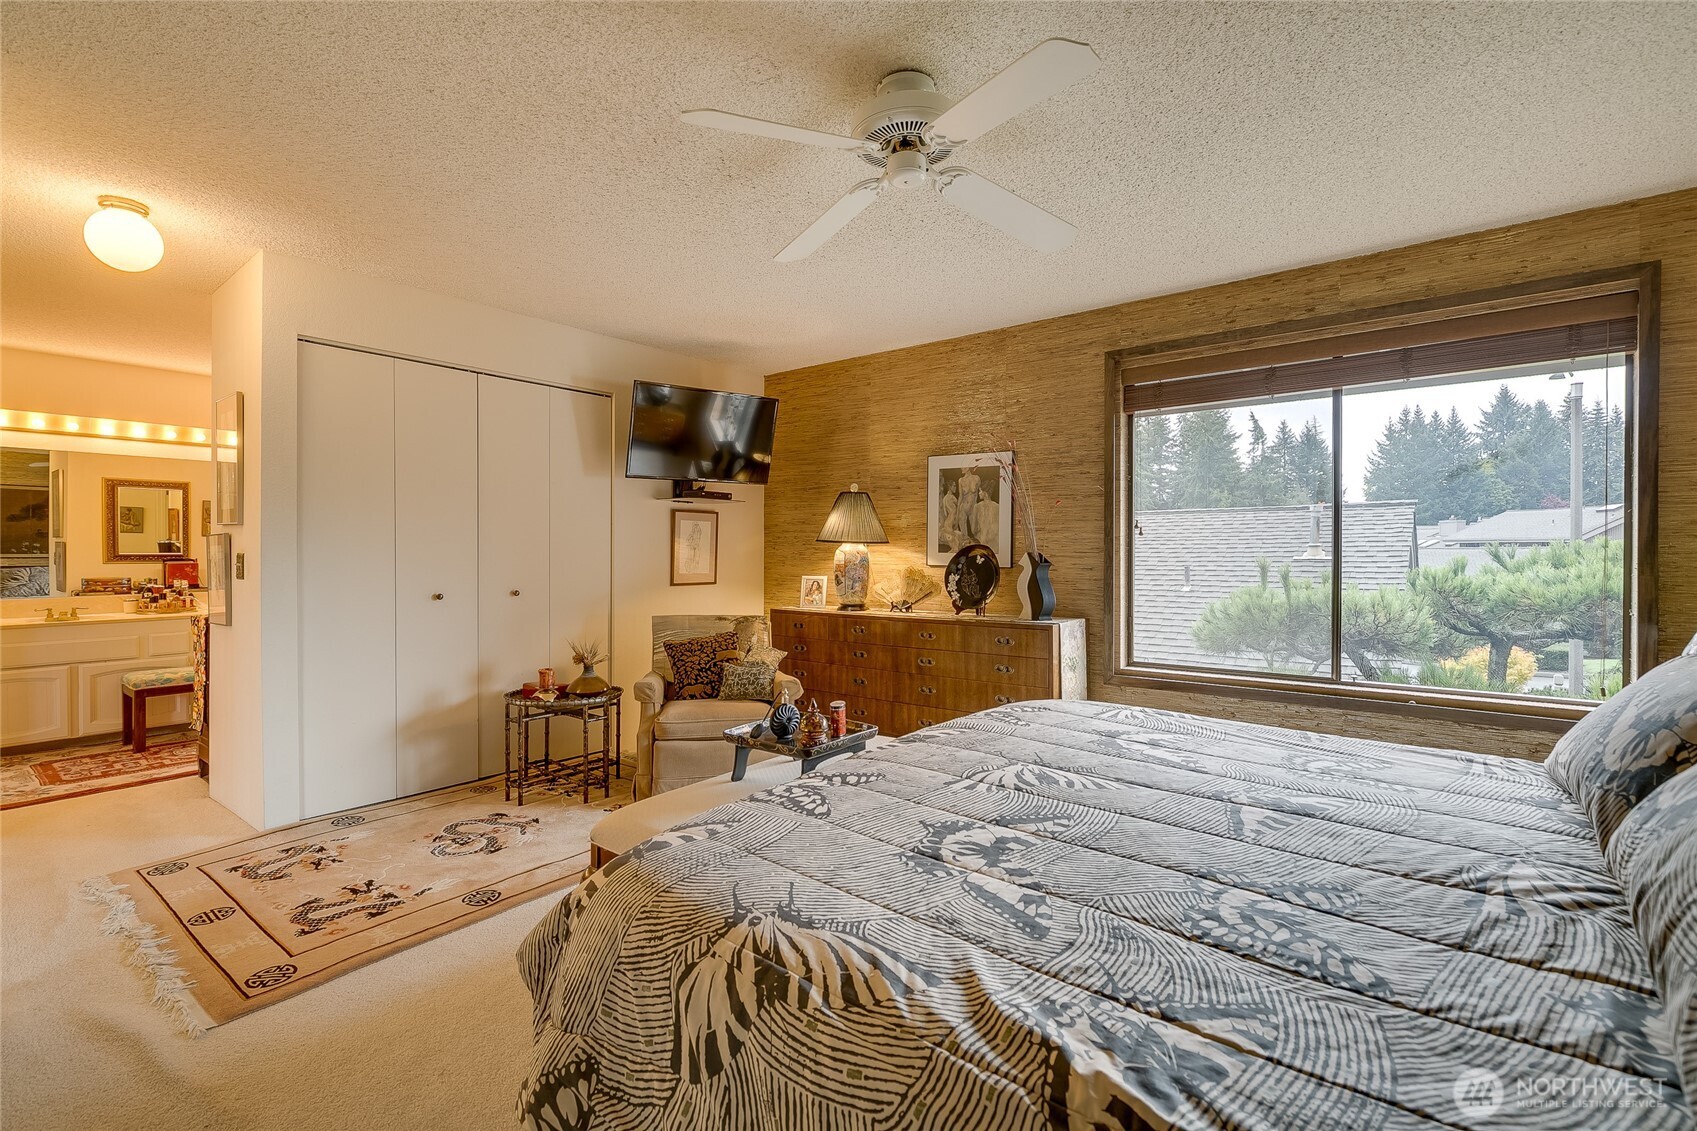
1078,915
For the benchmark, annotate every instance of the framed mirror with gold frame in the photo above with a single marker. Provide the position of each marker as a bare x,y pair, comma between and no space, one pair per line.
146,520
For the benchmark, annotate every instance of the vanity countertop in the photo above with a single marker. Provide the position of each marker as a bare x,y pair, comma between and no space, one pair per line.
40,620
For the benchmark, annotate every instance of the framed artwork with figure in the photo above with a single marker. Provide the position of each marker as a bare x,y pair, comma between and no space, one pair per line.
969,500
695,547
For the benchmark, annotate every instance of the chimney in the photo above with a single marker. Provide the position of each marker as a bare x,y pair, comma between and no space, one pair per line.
1315,550
1449,527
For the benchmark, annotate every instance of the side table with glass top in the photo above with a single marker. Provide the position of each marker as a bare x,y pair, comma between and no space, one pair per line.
588,768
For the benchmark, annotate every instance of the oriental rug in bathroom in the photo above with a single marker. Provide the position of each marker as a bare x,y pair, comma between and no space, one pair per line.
228,930
73,771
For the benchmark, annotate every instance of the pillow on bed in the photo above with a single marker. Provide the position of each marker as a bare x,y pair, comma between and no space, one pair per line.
698,664
1654,856
1629,745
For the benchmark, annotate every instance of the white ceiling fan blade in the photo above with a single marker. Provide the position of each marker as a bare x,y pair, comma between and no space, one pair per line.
738,123
999,208
836,218
1046,69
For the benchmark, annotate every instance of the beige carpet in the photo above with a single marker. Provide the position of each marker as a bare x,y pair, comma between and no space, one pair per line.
434,1036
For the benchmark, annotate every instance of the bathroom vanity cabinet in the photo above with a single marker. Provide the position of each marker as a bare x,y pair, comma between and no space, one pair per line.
64,680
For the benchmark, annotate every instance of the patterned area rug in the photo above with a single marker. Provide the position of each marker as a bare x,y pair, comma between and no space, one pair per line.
234,928
48,775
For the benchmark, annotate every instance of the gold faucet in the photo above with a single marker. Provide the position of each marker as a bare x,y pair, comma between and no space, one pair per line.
56,615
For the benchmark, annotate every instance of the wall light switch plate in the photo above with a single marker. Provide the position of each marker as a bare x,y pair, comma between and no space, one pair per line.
241,566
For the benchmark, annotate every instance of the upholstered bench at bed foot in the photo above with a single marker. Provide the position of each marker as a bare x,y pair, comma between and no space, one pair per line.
624,829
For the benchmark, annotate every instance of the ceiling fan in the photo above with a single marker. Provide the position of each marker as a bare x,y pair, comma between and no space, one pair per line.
909,130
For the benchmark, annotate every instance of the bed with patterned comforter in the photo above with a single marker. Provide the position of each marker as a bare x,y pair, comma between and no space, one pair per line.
1071,914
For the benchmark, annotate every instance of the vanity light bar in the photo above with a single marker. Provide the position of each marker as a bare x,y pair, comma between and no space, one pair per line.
53,424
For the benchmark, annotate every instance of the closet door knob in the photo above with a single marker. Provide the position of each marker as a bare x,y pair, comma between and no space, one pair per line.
512,592
436,596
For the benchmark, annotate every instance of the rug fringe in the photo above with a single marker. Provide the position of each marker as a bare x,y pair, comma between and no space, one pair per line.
149,950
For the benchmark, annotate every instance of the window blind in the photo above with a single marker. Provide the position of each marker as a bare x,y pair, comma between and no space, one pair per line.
1547,332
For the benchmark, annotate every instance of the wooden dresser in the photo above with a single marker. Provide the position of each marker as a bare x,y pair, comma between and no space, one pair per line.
904,671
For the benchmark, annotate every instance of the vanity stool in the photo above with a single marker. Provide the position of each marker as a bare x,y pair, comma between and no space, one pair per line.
139,687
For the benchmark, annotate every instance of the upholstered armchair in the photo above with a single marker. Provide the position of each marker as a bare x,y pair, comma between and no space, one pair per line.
680,741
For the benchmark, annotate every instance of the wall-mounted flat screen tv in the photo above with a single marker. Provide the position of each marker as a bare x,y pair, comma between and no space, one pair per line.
677,432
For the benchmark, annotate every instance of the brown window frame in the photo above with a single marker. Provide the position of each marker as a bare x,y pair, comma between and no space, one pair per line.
1405,340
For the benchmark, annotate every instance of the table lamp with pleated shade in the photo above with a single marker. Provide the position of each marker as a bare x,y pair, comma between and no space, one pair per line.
853,522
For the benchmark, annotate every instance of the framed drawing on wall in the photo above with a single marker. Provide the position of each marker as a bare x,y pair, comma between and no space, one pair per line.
227,461
969,500
695,547
58,568
218,579
56,503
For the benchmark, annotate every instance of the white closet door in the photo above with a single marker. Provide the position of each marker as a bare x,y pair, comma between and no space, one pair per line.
435,577
581,524
346,431
512,518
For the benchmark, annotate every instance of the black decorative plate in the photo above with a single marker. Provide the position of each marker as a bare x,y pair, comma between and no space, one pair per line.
971,577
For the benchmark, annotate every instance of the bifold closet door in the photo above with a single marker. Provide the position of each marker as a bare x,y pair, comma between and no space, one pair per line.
435,577
346,433
580,456
513,426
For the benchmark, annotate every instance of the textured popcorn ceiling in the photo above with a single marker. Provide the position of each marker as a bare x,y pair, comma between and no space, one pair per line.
529,156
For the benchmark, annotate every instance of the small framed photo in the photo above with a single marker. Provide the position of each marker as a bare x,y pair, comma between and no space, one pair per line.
695,547
812,591
227,460
969,501
218,579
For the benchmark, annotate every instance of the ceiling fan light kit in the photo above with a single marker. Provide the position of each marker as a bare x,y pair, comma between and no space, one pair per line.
909,130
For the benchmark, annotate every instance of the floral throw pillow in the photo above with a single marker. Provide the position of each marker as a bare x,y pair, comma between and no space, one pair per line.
698,664
1627,746
747,679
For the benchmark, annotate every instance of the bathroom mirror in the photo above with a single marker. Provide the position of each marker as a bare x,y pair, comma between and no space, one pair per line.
146,520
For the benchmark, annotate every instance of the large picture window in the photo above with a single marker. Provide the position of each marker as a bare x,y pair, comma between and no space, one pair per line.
1444,509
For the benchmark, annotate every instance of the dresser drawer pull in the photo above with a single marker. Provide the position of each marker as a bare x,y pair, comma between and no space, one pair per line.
858,630
1004,669
798,648
1004,640
928,636
798,625
859,682
927,690
799,674
927,722
860,712
1002,700
927,662
859,653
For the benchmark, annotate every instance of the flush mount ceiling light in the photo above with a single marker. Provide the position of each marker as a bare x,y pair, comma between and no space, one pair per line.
120,235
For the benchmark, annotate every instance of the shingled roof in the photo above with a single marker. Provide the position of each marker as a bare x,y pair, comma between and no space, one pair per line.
1184,560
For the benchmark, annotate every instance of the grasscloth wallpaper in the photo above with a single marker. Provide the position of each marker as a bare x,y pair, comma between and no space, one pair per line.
1040,389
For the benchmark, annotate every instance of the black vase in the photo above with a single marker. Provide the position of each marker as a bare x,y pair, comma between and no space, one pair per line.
1036,595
